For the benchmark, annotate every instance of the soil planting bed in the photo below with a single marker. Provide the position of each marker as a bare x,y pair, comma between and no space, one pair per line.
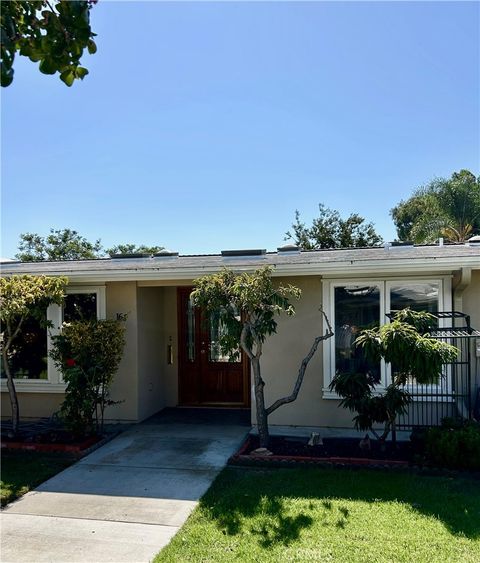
46,436
46,446
344,451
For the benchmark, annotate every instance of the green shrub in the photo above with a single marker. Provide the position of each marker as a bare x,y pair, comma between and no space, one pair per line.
88,354
406,345
455,445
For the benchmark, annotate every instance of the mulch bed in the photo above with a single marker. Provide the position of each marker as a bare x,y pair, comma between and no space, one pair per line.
343,451
46,436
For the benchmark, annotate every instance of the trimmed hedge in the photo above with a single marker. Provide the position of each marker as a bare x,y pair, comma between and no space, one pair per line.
456,445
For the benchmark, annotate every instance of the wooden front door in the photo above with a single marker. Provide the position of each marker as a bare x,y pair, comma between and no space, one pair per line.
205,376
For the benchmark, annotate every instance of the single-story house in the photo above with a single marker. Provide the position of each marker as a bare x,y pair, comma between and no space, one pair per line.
171,357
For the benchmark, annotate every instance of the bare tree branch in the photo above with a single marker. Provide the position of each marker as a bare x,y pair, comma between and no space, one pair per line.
301,372
11,337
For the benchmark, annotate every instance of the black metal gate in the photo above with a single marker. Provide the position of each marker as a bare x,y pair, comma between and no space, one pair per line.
457,393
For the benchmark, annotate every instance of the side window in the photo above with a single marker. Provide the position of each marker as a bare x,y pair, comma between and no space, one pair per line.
80,307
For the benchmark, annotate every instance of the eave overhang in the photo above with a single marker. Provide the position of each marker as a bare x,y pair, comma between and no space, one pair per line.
354,268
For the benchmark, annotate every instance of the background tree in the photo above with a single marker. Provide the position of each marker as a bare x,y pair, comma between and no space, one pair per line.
67,244
246,305
443,208
62,244
133,248
329,230
406,345
53,33
22,297
88,354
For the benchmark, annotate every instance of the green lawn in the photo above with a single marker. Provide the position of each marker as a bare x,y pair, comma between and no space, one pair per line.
22,471
309,514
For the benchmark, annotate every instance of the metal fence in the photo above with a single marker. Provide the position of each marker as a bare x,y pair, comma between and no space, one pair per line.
457,393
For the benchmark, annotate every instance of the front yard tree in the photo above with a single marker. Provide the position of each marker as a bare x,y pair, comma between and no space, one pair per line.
22,297
246,305
330,230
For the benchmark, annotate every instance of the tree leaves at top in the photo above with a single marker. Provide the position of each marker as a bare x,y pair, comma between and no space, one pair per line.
62,244
443,208
52,33
330,230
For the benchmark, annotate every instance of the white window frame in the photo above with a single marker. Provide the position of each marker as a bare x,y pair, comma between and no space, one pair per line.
384,284
55,383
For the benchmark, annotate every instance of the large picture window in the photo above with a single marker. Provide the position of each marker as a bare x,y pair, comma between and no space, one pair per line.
28,356
31,365
353,306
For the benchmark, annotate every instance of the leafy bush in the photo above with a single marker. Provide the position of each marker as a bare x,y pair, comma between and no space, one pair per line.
358,395
455,445
88,354
406,344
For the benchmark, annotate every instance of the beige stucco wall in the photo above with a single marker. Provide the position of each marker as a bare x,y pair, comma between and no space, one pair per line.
282,356
33,405
151,351
471,299
157,330
170,336
122,298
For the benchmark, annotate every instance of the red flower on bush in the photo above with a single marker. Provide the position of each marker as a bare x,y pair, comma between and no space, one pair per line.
70,362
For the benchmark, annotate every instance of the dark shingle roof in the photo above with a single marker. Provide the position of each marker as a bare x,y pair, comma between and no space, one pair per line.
372,259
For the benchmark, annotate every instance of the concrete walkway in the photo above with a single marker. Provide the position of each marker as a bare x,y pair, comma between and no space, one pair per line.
123,502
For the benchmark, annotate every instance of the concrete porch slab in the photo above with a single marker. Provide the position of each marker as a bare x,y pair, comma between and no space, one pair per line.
156,446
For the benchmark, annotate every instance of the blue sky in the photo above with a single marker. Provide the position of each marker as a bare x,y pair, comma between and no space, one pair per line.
203,126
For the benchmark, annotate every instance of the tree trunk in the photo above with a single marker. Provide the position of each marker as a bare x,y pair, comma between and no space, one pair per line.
12,393
262,417
394,432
